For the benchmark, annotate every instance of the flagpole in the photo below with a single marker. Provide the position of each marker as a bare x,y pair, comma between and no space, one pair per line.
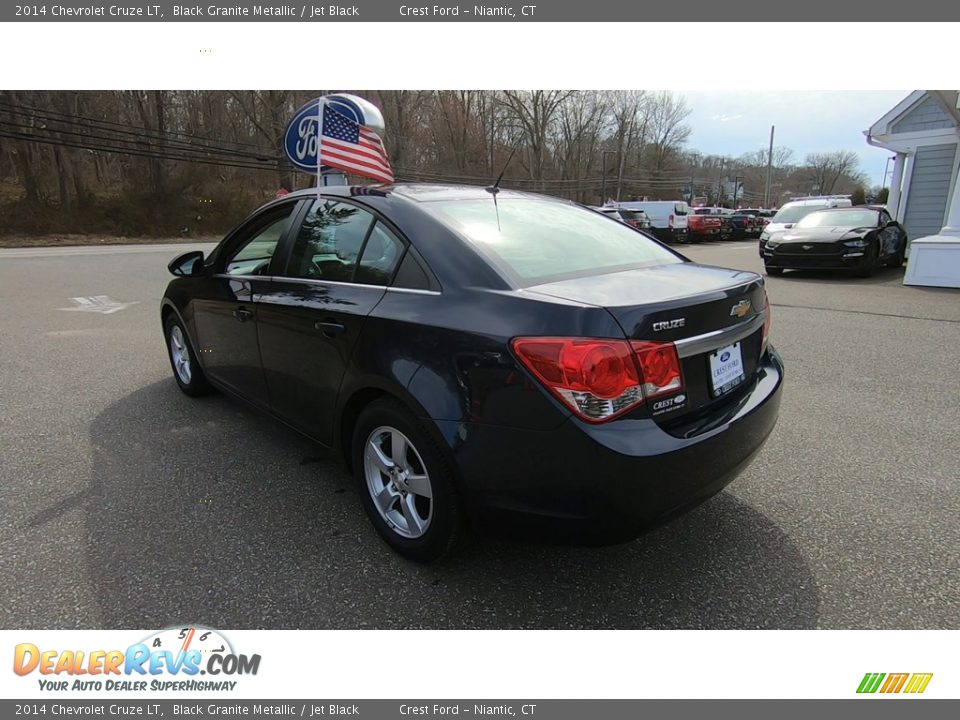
320,104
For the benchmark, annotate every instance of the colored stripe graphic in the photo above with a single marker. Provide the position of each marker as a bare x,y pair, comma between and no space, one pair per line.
918,682
870,682
894,682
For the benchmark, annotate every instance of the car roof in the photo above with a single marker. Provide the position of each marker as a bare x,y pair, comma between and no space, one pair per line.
421,192
855,208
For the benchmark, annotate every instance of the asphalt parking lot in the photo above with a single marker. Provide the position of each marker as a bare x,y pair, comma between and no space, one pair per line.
126,504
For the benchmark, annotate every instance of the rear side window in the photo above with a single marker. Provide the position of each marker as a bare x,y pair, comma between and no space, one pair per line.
329,242
534,240
380,258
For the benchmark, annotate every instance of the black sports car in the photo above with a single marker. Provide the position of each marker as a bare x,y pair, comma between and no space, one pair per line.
861,239
479,354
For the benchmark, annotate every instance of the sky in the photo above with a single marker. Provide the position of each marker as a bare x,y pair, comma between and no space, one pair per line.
730,122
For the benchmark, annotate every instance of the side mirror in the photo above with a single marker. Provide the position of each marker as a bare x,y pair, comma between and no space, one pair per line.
190,263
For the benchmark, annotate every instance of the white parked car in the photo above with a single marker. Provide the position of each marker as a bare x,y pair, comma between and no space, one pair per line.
794,211
668,218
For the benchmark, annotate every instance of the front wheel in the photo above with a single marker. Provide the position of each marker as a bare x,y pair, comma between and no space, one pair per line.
183,360
871,261
899,256
406,485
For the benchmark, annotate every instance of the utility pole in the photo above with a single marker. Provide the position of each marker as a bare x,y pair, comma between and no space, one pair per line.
720,181
603,183
766,192
736,187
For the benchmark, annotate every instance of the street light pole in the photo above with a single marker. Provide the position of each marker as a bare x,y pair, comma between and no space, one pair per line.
766,192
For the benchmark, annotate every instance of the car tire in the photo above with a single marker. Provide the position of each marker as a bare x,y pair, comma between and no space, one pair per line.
408,488
773,270
899,256
183,359
871,262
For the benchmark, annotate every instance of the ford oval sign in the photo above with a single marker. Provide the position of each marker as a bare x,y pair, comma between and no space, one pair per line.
300,139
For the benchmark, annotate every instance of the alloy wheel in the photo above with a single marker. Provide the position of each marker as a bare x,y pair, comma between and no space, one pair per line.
398,482
180,354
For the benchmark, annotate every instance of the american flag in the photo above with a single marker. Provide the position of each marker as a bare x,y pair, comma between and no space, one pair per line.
347,145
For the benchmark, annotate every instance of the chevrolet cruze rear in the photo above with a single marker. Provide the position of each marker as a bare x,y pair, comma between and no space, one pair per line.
481,356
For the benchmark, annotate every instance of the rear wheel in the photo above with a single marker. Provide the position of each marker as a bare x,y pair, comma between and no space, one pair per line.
186,370
406,485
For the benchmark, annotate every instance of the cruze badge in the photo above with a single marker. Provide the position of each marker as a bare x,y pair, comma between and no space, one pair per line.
670,324
740,309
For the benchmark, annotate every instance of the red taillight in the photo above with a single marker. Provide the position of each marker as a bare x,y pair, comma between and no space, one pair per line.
767,319
601,379
659,367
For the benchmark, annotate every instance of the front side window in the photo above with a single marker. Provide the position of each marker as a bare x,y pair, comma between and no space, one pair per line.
253,255
535,239
329,242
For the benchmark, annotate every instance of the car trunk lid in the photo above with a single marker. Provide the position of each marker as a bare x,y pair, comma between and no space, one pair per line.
714,316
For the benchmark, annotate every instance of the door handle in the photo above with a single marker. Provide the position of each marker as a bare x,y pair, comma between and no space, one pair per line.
242,314
330,328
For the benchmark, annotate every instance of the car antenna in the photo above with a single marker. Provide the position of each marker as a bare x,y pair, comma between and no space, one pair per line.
495,188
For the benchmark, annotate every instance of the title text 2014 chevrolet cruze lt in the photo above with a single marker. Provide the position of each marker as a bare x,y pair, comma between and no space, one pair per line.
481,355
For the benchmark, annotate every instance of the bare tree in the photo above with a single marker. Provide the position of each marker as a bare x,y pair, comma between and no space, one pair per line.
666,115
826,168
534,112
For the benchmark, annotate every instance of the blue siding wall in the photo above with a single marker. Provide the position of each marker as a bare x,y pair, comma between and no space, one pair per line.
928,115
929,186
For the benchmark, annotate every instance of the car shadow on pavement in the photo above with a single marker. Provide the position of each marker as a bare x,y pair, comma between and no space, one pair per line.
204,511
883,276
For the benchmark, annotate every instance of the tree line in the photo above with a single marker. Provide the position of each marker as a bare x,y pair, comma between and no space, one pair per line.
162,162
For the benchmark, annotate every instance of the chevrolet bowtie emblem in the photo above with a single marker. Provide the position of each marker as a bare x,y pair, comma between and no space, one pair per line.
806,247
741,308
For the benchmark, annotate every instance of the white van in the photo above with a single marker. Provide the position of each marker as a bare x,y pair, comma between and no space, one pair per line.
668,218
794,211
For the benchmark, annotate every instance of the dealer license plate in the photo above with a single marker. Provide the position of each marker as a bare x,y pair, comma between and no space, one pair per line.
726,369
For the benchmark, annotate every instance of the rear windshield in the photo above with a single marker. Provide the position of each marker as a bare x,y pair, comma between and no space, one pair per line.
795,213
844,219
540,240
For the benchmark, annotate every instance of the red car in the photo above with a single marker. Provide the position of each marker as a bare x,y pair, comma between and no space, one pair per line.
704,227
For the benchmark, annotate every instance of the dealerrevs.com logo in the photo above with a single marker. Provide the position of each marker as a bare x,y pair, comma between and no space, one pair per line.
892,683
172,659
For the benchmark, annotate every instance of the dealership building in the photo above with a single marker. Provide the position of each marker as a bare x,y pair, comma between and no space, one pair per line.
923,131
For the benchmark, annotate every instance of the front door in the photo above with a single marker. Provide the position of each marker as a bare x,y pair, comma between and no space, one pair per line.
226,314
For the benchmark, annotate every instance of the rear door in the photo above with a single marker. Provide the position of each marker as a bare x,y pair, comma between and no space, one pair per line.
341,260
225,310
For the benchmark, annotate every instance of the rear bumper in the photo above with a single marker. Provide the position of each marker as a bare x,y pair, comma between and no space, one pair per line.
608,482
671,235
